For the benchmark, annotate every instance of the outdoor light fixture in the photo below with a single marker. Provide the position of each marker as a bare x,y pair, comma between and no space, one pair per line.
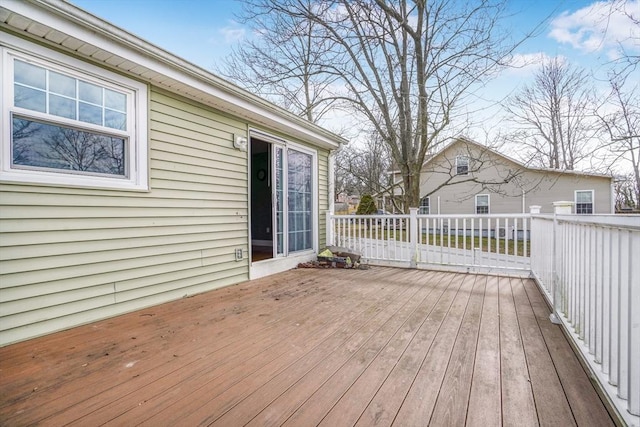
240,142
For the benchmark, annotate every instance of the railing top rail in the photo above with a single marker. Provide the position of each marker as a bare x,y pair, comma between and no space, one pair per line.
469,216
390,216
610,221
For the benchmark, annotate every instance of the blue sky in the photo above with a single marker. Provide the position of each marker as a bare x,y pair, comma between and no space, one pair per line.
203,31
200,31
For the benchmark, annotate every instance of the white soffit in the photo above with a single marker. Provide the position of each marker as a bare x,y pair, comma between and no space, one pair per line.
64,25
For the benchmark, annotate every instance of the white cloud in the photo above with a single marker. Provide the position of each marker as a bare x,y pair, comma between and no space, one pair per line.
523,64
232,34
601,26
525,60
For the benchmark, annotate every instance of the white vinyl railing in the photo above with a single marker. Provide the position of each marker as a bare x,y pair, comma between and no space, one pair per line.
588,267
590,273
481,242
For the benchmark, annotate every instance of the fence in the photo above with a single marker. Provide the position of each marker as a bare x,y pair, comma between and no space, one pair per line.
469,242
591,275
588,267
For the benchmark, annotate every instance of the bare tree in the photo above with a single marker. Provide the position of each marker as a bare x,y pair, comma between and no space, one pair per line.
553,117
406,66
628,54
284,63
619,117
364,167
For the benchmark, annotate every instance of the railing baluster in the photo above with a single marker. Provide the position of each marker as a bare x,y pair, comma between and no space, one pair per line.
606,300
615,309
625,315
597,333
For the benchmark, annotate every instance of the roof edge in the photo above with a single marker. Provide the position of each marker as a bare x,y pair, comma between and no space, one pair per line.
464,139
103,28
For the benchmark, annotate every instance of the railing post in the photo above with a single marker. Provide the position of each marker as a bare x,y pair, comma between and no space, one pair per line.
330,229
559,208
413,237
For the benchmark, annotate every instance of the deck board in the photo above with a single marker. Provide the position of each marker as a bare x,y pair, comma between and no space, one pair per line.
485,396
545,384
518,405
377,347
453,398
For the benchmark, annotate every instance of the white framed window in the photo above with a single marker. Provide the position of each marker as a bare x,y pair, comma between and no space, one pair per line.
66,122
424,206
584,201
482,204
462,165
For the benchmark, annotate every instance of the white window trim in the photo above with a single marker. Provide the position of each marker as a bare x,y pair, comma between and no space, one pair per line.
138,174
593,200
459,157
488,204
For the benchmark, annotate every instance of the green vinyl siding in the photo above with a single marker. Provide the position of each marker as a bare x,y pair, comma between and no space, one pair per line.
323,196
71,256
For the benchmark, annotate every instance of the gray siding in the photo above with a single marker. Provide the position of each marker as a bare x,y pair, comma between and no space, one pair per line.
71,256
488,173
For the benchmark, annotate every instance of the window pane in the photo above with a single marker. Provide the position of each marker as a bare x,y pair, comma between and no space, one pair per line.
90,93
584,208
31,99
90,114
43,145
482,204
62,85
63,107
115,100
279,165
424,206
583,197
299,194
115,120
462,165
482,210
29,75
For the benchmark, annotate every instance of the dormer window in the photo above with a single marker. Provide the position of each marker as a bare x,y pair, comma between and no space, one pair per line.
462,165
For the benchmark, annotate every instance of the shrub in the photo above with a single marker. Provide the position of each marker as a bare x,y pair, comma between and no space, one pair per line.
367,206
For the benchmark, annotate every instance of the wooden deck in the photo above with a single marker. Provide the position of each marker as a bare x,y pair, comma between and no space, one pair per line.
312,347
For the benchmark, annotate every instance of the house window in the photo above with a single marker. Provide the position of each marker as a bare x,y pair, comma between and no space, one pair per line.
71,124
584,202
462,165
482,204
424,206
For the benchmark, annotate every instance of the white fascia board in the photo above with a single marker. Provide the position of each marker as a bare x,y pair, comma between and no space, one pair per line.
83,26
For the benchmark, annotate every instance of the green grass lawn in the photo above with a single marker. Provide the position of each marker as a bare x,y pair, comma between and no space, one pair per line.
485,244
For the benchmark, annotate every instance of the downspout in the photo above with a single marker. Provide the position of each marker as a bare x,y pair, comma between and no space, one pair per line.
332,177
612,196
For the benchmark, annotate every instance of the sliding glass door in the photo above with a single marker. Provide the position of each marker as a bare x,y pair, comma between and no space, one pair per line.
293,214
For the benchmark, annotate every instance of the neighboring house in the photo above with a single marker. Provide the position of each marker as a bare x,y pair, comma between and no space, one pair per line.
468,178
130,177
